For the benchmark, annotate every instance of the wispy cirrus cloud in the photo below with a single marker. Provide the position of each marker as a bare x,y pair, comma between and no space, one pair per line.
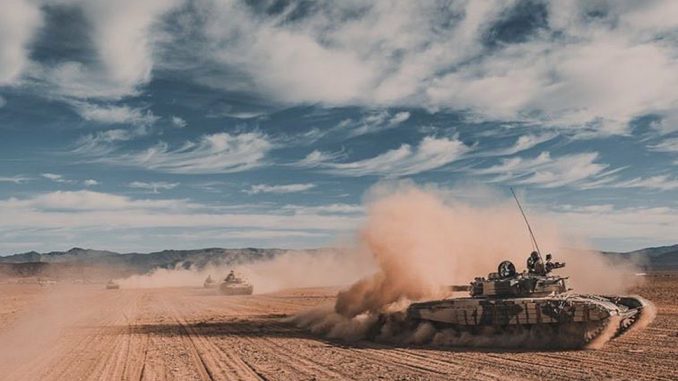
374,122
666,145
658,182
287,188
18,179
102,143
216,153
429,154
526,142
317,158
178,122
153,186
549,172
213,153
111,114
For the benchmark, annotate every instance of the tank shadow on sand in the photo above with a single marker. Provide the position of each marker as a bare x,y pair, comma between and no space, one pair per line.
274,326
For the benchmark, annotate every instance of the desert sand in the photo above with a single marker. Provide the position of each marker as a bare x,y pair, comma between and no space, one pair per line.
85,332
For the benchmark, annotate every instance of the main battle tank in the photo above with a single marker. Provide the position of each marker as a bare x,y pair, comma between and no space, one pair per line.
533,304
234,285
111,285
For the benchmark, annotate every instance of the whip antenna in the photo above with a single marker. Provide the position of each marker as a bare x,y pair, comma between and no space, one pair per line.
529,228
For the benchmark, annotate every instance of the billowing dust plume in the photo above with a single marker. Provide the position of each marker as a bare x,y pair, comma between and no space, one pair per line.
318,268
422,240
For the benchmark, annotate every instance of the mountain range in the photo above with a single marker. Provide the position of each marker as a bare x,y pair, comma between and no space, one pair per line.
88,263
79,262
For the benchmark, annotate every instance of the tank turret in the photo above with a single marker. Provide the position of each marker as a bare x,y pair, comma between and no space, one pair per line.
506,282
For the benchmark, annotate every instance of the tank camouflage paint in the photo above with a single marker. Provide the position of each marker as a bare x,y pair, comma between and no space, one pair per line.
534,300
234,285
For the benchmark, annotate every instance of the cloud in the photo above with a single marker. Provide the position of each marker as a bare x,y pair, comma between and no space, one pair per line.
90,182
374,122
316,158
216,153
103,142
429,154
288,188
563,68
525,142
110,114
152,186
325,209
210,154
547,171
55,177
659,182
15,179
19,21
666,145
85,200
123,35
89,210
178,122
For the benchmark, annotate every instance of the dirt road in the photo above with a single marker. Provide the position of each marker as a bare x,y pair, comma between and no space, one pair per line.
89,333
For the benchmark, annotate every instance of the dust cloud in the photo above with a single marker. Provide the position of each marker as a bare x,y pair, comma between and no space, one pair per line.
424,239
292,269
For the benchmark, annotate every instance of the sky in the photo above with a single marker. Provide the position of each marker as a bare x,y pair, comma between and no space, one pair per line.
141,125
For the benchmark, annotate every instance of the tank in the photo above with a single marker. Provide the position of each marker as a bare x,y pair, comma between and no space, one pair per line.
210,283
111,285
235,285
533,303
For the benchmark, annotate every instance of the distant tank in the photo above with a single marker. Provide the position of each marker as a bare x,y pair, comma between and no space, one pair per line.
234,285
210,283
533,302
111,285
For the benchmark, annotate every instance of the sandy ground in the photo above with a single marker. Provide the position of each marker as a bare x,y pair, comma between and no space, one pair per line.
88,333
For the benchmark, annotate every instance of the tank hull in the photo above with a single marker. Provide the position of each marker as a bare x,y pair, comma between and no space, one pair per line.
574,320
241,289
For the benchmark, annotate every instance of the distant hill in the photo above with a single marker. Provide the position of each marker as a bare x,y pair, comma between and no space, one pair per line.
657,258
79,263
77,260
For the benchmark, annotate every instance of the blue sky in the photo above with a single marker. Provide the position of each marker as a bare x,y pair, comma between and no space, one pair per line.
140,125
